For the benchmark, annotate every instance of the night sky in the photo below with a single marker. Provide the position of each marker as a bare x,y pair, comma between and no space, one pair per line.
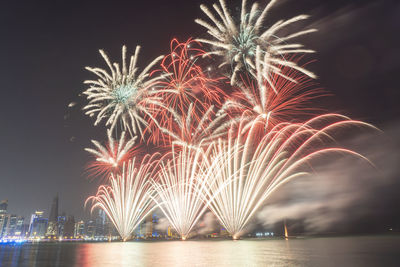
44,47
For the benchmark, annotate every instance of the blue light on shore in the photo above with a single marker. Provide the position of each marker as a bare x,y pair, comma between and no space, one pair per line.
12,241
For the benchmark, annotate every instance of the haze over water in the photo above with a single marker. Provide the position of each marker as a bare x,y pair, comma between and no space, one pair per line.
332,251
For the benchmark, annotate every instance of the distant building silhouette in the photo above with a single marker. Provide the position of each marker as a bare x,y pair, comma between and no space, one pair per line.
69,228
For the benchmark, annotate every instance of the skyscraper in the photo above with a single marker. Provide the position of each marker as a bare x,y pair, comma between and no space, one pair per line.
100,220
52,228
90,229
4,218
61,223
19,229
79,229
3,206
38,225
11,226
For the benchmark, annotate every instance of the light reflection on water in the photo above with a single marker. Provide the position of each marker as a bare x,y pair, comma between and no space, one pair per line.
339,251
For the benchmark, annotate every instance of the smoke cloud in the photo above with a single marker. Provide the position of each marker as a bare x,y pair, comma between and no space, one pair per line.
208,224
344,193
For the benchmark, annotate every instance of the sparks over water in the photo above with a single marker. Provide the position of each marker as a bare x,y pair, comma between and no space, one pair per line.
128,198
255,169
182,187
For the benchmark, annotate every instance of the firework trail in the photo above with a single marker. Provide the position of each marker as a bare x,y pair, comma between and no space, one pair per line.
184,83
128,198
236,40
256,169
123,95
188,129
182,188
288,98
109,158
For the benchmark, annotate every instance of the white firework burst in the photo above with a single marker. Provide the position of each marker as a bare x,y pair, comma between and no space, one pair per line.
124,95
256,168
182,187
236,40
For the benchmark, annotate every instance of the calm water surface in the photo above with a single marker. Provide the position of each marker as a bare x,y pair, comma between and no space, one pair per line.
332,251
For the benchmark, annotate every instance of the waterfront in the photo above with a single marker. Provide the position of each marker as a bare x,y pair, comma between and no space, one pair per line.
323,251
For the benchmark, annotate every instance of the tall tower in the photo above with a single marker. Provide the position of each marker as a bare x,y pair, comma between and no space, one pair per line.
52,228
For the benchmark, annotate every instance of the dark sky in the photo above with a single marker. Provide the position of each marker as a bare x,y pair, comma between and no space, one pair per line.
44,47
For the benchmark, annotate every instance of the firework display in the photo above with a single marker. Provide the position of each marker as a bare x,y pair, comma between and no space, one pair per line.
256,169
258,99
223,140
182,187
187,129
186,90
128,198
239,40
109,158
123,95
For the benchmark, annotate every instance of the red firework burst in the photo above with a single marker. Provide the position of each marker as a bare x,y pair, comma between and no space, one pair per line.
110,158
291,99
185,83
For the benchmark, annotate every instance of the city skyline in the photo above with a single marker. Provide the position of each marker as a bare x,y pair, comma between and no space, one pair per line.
63,227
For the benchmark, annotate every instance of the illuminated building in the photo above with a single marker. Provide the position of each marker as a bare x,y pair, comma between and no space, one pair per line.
140,231
100,220
3,206
10,226
147,229
103,227
4,218
52,228
79,229
38,225
155,231
90,229
171,232
223,232
61,219
20,230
